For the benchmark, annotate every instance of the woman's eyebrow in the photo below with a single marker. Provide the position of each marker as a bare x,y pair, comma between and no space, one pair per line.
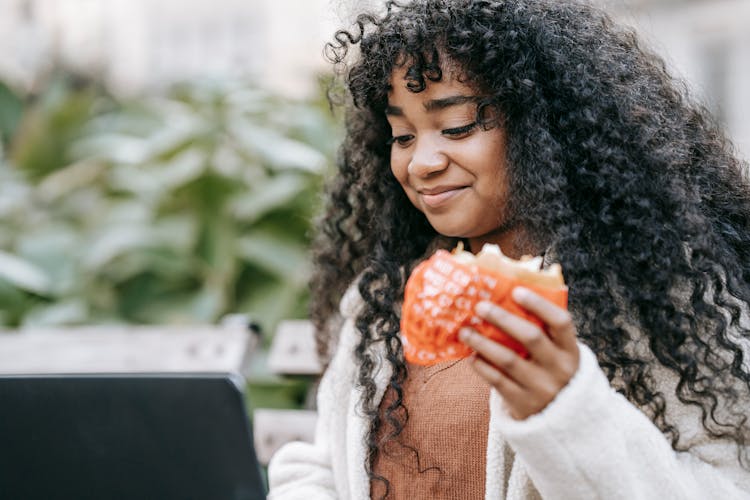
435,104
446,102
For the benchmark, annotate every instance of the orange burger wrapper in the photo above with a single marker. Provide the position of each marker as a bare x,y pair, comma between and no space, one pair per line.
440,298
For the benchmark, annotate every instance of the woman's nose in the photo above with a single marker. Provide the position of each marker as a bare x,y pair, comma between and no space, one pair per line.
427,160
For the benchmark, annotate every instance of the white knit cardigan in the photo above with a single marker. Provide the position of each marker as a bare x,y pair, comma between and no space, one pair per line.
589,443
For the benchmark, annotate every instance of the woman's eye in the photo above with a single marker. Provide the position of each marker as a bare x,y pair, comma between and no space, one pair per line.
459,132
401,140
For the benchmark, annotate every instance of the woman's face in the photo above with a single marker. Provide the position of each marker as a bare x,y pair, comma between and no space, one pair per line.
451,169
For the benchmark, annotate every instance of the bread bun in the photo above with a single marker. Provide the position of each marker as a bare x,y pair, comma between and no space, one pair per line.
527,270
442,292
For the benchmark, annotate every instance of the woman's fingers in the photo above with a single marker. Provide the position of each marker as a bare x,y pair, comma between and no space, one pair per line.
510,391
521,371
504,384
558,320
527,385
556,353
521,401
533,338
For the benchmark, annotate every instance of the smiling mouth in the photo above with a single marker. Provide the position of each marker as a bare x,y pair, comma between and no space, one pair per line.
436,199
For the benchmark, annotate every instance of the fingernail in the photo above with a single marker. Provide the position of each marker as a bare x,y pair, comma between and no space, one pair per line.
520,293
483,308
464,334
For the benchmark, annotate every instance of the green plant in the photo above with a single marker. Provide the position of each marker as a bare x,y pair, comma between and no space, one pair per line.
177,208
11,108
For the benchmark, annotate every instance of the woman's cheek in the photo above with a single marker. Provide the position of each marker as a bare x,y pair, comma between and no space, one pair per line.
399,166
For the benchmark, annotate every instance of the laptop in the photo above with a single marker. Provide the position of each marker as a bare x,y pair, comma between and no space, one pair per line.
126,436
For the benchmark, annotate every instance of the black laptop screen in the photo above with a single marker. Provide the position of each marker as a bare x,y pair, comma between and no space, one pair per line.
164,436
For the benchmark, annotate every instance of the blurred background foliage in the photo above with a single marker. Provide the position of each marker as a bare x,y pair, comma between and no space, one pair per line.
177,208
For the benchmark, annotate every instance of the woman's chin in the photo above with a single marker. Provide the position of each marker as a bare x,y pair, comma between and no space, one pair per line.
450,230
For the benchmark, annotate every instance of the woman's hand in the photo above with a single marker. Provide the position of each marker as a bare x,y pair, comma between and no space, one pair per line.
526,385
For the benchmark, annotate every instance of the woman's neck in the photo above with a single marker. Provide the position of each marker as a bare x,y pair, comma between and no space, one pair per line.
512,241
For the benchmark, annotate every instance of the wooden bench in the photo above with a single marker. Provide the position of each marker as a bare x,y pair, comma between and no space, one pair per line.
292,353
127,349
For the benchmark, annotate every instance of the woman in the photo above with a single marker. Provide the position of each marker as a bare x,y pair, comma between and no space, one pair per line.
541,126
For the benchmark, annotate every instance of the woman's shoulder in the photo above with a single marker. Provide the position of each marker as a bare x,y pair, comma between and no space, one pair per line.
351,302
343,335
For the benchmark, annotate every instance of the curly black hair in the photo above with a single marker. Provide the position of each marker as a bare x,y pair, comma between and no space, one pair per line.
630,184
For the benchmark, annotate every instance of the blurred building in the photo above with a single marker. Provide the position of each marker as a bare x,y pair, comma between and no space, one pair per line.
138,44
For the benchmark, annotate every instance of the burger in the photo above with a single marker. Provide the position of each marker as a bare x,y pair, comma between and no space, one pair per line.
442,292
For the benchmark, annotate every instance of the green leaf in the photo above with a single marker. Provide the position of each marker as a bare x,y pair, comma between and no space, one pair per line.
208,304
270,302
164,247
131,119
281,257
54,248
24,274
11,109
279,151
117,148
169,267
202,306
15,196
216,248
153,179
250,100
62,182
44,139
178,232
13,303
267,196
69,312
114,241
126,211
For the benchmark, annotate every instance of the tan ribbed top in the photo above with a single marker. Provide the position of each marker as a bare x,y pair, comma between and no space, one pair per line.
448,422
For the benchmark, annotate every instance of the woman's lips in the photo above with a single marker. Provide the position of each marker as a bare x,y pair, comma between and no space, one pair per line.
436,198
